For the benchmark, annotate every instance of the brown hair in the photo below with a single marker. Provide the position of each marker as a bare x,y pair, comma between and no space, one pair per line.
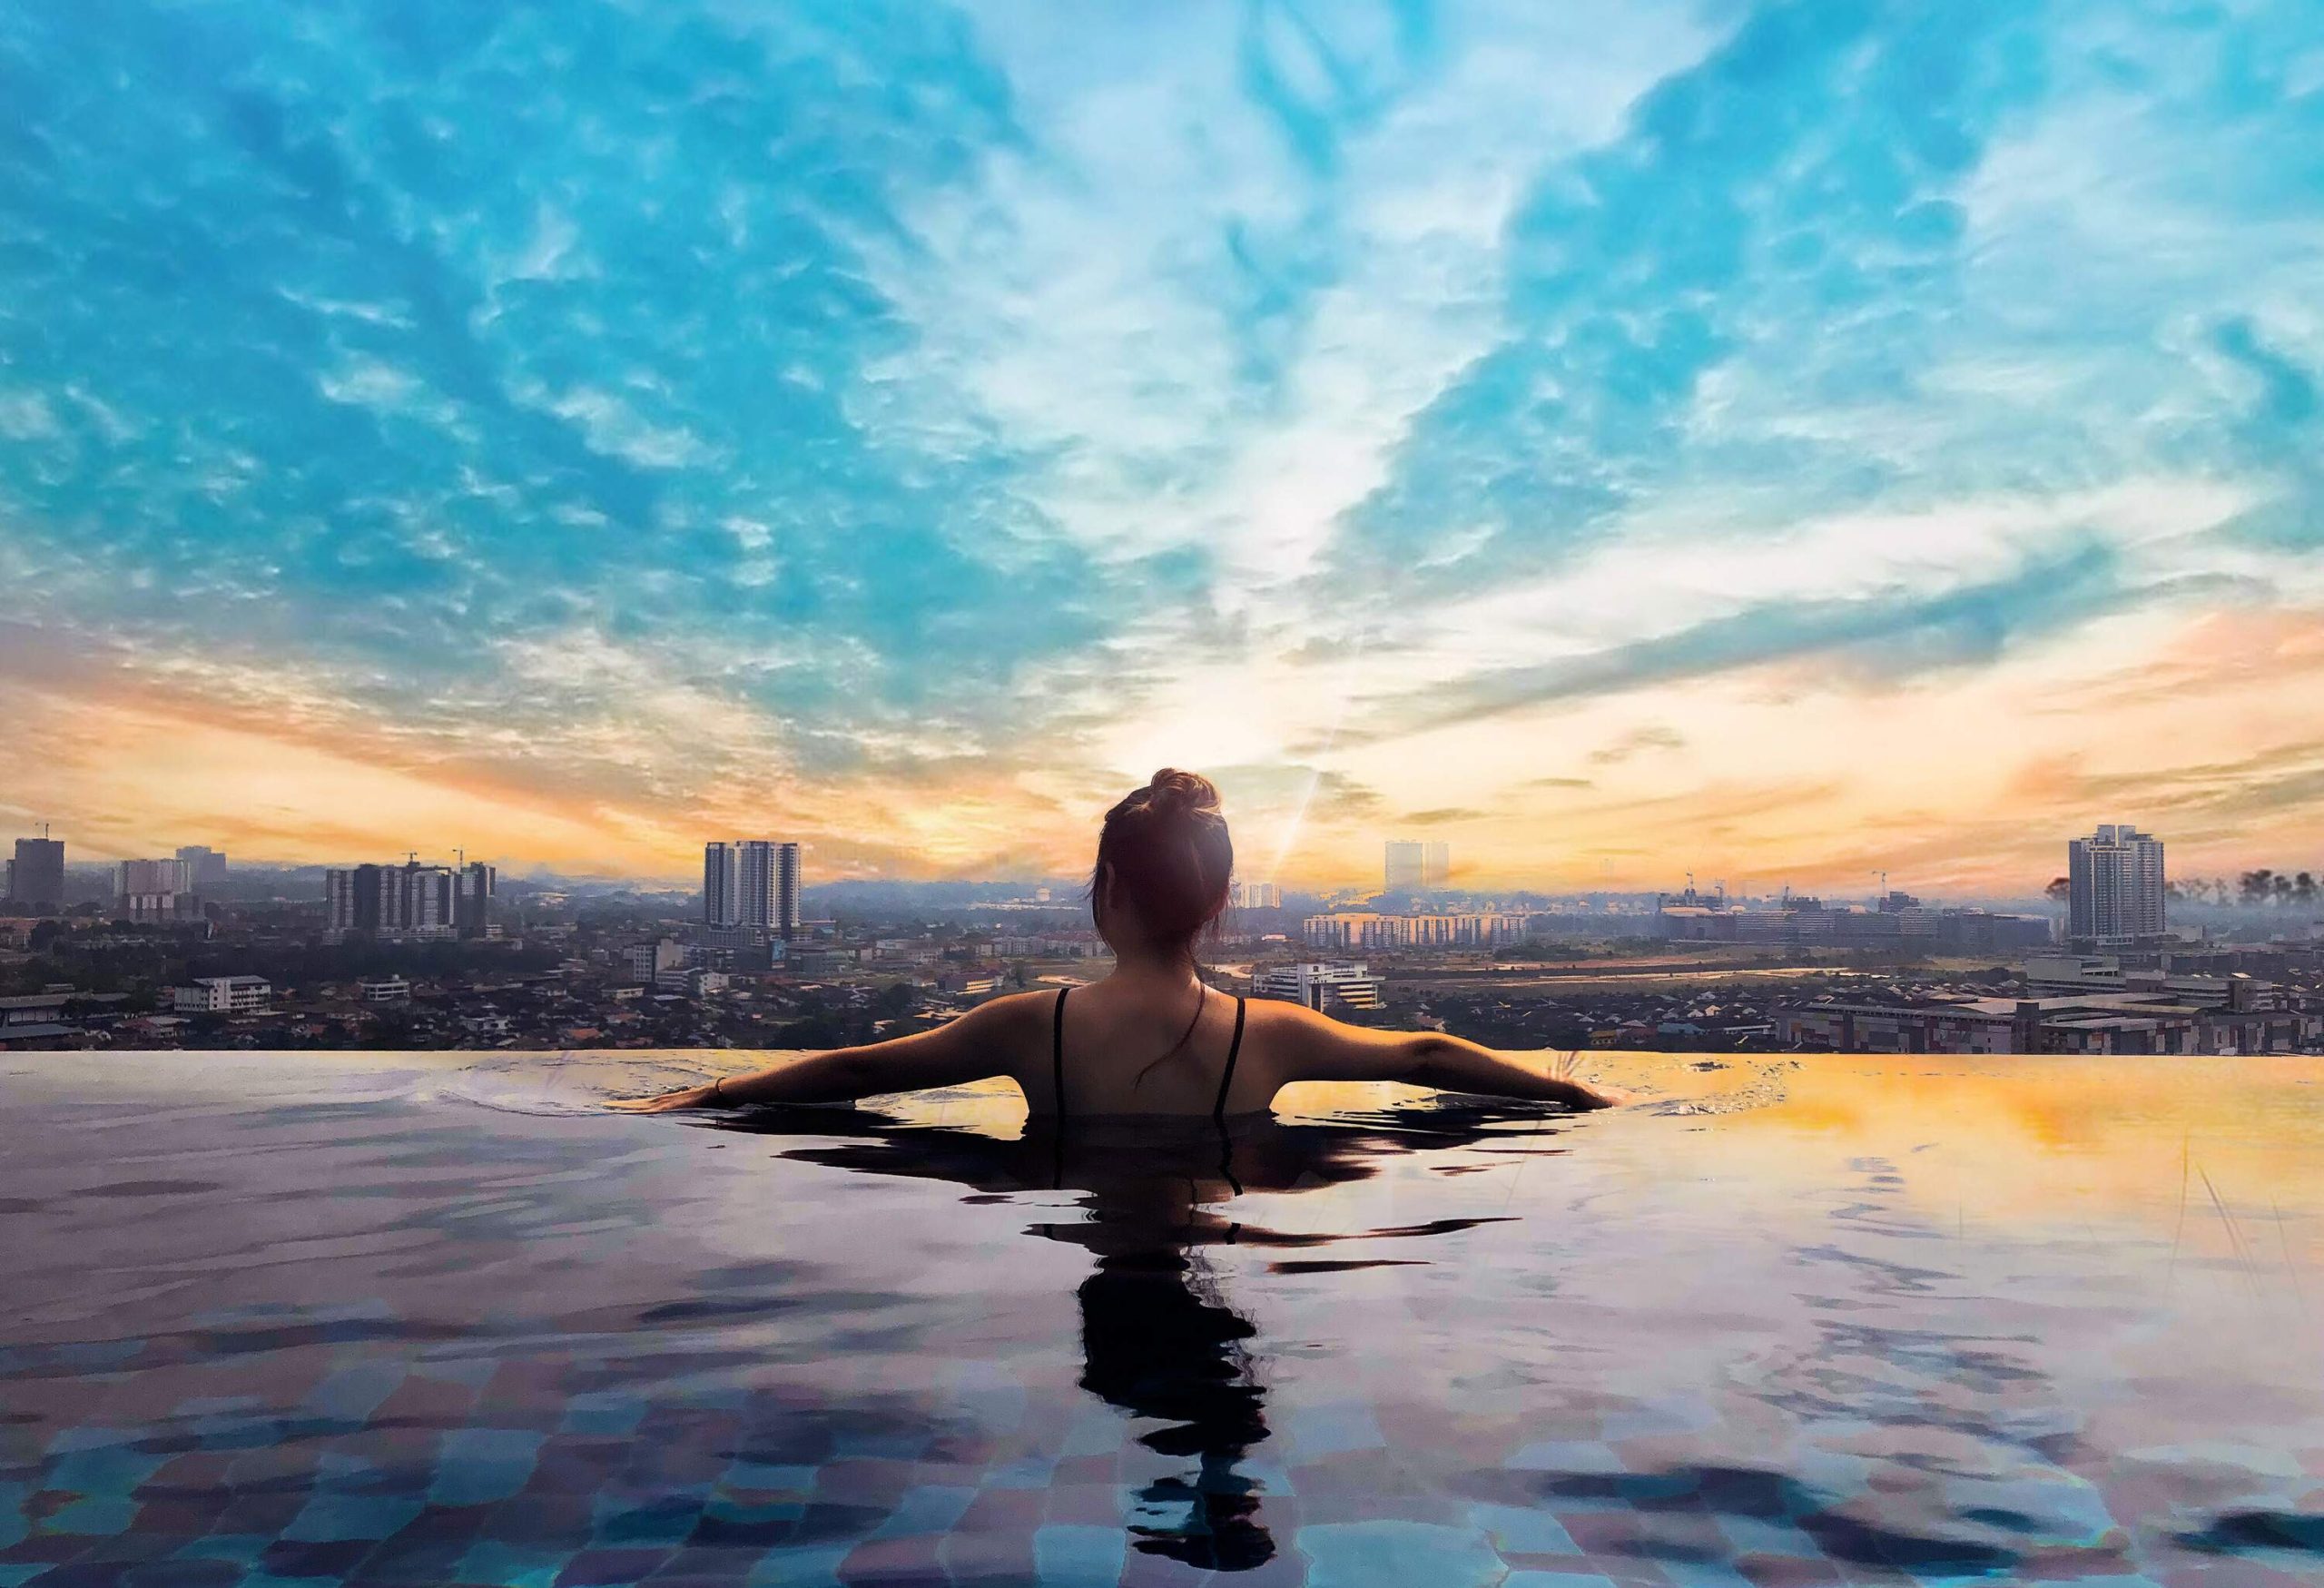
1167,848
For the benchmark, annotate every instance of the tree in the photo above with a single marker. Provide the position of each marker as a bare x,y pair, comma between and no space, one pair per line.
2258,887
2059,890
2303,888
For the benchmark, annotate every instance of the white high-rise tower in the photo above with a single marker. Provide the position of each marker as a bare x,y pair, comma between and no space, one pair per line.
2114,884
752,881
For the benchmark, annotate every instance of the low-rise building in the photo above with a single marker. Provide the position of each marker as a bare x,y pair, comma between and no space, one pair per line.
647,961
384,990
33,1020
223,995
693,981
1357,929
2113,1022
1900,922
1319,985
2072,974
821,962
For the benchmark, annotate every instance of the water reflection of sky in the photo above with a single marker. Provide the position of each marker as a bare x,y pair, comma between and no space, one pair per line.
408,1319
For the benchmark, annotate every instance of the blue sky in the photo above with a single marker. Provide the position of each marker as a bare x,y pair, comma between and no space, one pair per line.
1785,439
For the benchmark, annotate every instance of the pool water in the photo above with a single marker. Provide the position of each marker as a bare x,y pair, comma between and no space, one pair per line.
284,1318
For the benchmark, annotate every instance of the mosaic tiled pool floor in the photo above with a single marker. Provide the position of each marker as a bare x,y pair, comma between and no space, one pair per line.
276,1320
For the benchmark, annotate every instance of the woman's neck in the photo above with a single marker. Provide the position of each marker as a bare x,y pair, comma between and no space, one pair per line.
1154,966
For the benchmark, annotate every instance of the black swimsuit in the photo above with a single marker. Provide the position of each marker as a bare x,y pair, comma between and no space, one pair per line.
1057,1058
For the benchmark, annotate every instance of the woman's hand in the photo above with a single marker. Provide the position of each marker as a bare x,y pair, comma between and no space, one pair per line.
693,1097
1566,1068
1603,1096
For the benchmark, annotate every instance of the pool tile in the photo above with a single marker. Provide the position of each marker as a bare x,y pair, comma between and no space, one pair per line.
1558,1456
1396,1554
1522,1530
1070,1555
792,1478
603,1567
799,1566
509,1566
1309,1434
626,1522
477,1466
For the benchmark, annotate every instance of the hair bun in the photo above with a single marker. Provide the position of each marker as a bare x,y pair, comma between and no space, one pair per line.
1173,791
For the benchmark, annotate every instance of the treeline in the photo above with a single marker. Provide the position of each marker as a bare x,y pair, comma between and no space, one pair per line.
130,962
309,964
2253,889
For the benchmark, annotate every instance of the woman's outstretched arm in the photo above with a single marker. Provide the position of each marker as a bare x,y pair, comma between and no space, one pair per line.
1319,1048
975,1047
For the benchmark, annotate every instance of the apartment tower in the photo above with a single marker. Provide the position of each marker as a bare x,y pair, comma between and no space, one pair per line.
2114,884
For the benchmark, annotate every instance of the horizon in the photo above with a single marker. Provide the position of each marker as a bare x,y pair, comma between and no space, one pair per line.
1783,443
1340,895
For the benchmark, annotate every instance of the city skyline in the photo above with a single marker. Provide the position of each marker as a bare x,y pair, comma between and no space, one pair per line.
1789,442
758,881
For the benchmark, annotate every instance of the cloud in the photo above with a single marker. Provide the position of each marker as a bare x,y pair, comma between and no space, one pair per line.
894,418
1443,816
1637,741
1897,633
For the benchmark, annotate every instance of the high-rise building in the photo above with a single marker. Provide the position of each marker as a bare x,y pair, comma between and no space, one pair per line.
155,890
786,891
36,881
419,902
155,876
351,899
1255,895
752,881
411,901
1415,867
209,865
2114,884
719,884
474,888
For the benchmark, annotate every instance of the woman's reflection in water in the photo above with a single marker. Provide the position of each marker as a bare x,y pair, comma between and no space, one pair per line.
1158,1339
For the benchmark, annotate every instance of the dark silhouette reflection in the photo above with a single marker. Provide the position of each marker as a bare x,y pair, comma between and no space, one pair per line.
1158,1340
1156,1343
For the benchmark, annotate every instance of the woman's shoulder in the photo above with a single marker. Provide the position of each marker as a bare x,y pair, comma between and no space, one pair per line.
1279,1022
1295,1028
1011,1012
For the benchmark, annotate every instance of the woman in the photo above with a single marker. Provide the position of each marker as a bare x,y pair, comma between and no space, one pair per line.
1151,1037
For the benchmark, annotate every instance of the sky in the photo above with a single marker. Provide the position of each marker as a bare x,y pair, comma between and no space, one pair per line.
1783,441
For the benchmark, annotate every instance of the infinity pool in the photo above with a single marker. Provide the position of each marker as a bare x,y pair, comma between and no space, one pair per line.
309,1319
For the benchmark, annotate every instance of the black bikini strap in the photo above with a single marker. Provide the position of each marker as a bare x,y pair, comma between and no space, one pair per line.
1218,1109
1056,1055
